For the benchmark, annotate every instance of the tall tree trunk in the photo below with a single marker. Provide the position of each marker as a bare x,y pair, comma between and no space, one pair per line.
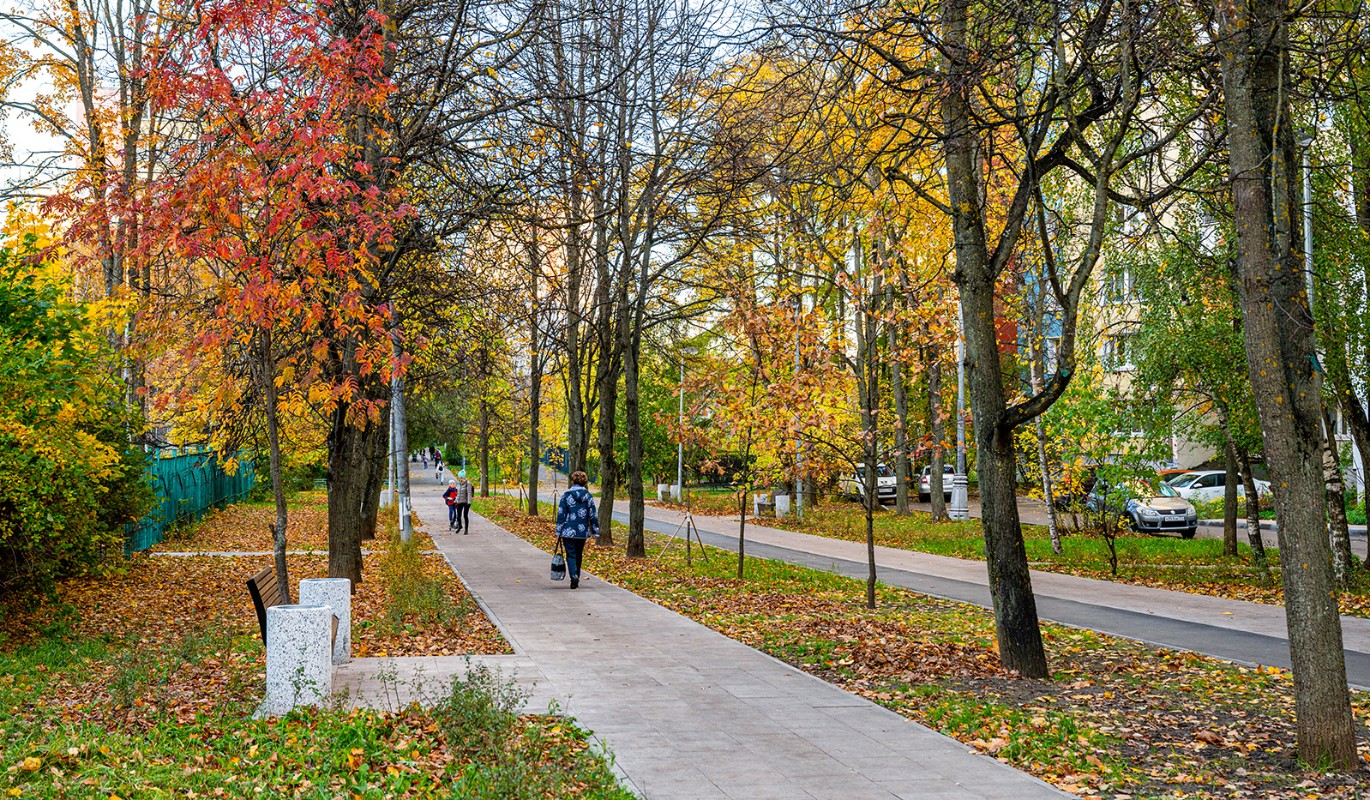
348,456
1254,57
1253,512
637,544
484,439
378,458
936,485
1337,527
1015,608
1038,373
577,435
608,467
266,366
1230,498
901,421
534,381
867,389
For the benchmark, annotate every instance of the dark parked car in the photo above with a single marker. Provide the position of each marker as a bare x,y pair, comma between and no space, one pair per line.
1148,506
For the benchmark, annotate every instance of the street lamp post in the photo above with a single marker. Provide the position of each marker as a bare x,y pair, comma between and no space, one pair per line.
960,499
1306,142
680,446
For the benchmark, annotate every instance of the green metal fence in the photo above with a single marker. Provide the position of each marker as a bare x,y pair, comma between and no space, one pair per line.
187,485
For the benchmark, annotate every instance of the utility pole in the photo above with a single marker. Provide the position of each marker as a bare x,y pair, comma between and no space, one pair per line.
960,499
399,483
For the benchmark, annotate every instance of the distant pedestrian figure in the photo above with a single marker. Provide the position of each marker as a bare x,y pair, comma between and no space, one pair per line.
451,497
438,474
465,494
577,520
425,459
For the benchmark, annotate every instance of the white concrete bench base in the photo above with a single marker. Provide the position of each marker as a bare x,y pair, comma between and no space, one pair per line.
299,663
336,593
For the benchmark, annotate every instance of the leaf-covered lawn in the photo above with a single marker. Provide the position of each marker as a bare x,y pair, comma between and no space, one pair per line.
1163,562
245,528
1117,719
141,684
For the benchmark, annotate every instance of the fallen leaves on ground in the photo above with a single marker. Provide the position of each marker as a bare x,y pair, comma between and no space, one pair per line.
246,528
181,635
1118,719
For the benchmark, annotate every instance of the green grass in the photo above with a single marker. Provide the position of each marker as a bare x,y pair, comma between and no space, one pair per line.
473,744
102,716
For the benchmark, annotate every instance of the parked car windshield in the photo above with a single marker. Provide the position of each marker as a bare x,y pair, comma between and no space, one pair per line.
881,471
1143,488
1183,480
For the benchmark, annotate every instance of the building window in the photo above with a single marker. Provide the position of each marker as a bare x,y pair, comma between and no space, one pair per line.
1117,354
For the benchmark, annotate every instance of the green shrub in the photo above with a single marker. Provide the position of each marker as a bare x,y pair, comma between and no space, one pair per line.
414,596
68,481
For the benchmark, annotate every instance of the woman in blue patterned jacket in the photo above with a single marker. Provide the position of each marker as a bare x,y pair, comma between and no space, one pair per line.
577,520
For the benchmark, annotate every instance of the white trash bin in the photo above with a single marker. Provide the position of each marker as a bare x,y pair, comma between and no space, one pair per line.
336,593
299,667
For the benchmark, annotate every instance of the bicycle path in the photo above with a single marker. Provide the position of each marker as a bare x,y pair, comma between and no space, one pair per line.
689,713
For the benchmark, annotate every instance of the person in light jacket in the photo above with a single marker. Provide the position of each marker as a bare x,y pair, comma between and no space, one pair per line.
577,521
465,494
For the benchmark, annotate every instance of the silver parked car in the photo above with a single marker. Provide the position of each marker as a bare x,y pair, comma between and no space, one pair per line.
853,485
1147,506
1210,485
925,482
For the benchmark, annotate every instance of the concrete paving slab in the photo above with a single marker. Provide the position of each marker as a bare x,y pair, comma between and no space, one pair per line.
657,689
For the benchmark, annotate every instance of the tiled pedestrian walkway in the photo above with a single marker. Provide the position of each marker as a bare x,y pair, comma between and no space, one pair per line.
689,713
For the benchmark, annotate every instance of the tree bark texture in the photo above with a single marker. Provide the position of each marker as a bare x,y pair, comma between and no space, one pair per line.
936,486
1230,499
637,510
1037,372
1253,513
534,381
377,463
1337,527
266,380
484,438
1015,608
349,451
1254,41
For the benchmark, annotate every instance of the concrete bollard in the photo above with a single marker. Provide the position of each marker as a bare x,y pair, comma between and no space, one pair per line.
782,505
959,508
299,671
336,593
675,492
663,492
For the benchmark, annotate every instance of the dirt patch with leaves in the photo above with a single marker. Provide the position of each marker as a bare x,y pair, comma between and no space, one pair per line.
1117,720
178,635
247,529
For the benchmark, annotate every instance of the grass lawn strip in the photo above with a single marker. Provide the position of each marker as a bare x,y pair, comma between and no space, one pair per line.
1117,719
1197,566
140,684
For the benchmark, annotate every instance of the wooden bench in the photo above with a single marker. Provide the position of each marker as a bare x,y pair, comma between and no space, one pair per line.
266,592
762,500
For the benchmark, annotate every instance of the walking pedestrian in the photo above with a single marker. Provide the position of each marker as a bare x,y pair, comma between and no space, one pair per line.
450,496
438,461
465,494
577,521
